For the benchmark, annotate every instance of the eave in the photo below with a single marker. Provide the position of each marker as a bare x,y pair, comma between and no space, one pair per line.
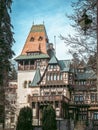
29,57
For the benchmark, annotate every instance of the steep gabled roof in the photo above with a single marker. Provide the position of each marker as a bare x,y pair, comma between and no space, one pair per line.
65,65
36,79
36,40
53,60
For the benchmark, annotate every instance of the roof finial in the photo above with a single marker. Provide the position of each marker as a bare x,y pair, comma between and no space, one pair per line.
43,22
55,44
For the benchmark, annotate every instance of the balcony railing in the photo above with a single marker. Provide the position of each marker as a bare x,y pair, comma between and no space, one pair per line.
26,67
48,98
84,102
88,87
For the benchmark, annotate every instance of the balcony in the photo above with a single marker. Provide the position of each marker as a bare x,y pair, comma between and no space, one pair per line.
84,102
89,87
27,67
48,98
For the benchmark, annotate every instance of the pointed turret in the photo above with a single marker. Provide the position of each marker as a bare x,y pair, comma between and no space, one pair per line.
53,60
37,78
37,41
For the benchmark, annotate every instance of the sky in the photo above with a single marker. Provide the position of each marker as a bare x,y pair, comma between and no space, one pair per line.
51,13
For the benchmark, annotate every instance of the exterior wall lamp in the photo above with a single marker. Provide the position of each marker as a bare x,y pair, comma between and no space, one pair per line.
85,22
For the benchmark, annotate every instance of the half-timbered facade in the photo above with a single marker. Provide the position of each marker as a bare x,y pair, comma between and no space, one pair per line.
84,103
51,88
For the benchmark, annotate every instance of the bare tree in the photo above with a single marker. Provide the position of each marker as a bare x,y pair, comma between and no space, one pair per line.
84,23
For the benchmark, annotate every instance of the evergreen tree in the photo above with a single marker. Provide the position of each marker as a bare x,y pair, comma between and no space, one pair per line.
13,73
49,119
24,119
6,53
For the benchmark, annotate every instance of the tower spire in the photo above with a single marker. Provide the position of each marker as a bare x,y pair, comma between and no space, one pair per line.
43,22
55,44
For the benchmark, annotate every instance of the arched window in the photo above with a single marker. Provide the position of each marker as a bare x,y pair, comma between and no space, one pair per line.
55,76
29,83
60,76
48,77
40,38
25,84
32,39
51,76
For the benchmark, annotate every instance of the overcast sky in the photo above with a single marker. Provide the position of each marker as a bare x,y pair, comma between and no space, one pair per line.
51,12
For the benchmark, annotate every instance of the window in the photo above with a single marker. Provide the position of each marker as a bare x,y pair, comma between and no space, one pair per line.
29,83
78,98
32,62
59,93
51,66
53,93
35,94
95,116
54,76
93,97
81,98
66,76
46,93
48,77
25,84
55,66
32,39
12,119
40,38
51,76
60,76
80,70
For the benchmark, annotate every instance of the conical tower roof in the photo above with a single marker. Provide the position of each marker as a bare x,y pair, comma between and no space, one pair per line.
37,40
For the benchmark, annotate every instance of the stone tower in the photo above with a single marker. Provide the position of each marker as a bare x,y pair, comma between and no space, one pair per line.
34,55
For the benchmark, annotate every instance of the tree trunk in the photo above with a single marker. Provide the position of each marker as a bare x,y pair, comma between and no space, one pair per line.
97,52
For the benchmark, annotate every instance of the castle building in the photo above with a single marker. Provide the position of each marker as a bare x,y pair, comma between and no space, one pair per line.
44,80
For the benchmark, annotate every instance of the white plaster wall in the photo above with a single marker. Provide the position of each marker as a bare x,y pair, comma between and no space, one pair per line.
22,93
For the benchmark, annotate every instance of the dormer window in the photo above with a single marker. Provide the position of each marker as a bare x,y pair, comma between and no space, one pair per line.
40,38
32,39
81,70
